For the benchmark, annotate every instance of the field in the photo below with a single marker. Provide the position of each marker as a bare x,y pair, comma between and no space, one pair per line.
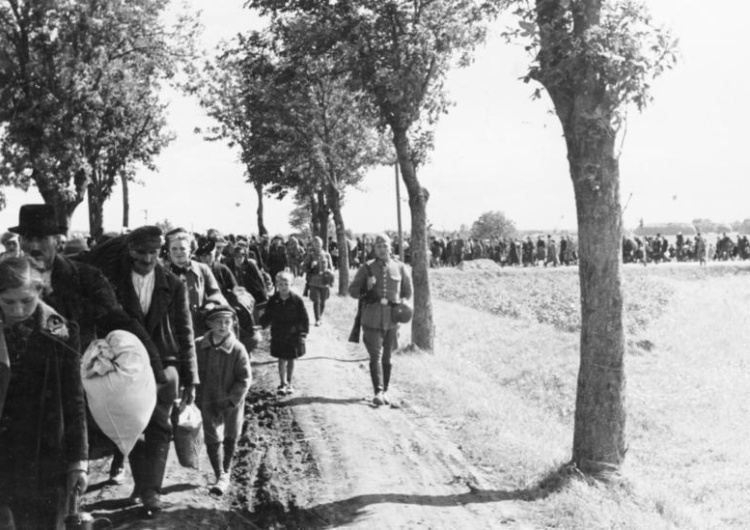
503,380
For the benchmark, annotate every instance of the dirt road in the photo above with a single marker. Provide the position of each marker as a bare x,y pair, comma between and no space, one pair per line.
325,457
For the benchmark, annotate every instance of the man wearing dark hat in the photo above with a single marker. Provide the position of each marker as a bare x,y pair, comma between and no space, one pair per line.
158,300
77,291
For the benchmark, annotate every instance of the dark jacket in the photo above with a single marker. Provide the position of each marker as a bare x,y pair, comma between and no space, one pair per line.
168,321
288,320
43,426
248,275
82,294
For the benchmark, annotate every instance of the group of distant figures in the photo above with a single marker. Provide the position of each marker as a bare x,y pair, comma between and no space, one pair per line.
658,248
504,251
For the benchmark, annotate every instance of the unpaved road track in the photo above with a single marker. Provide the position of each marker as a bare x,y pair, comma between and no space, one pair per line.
326,458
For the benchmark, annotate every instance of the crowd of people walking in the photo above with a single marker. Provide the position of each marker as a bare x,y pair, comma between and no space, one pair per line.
197,303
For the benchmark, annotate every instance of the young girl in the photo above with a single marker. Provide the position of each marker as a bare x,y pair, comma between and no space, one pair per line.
225,375
286,314
43,437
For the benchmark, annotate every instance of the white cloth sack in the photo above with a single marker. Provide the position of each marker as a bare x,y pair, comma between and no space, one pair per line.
120,387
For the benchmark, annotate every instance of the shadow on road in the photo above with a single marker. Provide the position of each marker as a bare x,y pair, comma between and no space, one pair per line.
309,400
315,358
346,511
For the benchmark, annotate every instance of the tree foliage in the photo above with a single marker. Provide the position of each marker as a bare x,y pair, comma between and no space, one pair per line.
493,224
78,85
398,53
298,125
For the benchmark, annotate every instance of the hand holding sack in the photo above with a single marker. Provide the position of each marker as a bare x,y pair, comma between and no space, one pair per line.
120,387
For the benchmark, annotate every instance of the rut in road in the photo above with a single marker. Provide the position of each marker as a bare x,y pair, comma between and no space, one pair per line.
325,457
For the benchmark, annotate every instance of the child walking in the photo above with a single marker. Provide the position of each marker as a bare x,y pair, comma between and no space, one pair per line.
286,314
225,375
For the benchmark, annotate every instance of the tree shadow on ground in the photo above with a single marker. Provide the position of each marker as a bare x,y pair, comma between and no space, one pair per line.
309,400
346,511
314,358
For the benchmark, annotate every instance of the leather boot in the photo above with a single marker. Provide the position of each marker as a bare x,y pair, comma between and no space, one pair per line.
138,467
230,446
386,376
156,458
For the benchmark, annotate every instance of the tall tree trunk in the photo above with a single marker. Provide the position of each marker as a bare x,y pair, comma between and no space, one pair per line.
96,212
125,202
64,207
338,219
314,219
324,213
422,330
262,231
599,439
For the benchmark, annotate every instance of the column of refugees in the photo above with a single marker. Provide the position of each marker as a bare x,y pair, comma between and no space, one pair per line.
193,300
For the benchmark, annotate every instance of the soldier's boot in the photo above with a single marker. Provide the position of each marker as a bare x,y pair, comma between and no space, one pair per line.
386,383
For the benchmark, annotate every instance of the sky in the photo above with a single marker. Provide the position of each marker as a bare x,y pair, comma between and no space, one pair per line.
683,158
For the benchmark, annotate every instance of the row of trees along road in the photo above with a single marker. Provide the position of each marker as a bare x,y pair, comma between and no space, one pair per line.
305,102
299,127
593,58
79,96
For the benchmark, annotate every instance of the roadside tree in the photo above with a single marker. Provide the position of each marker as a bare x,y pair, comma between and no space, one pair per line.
323,139
594,58
398,53
77,94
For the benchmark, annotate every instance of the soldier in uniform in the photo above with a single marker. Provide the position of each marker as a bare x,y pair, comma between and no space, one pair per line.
387,283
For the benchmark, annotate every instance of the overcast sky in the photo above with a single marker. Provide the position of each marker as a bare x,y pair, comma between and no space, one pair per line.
685,157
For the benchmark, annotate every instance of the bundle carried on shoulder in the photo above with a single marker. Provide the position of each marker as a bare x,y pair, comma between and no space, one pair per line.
120,387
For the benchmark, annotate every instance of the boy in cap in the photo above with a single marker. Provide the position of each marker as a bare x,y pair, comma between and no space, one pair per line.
225,374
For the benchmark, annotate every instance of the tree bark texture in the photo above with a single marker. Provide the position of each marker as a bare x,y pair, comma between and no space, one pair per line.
422,329
125,203
262,231
96,213
64,208
599,444
343,245
323,214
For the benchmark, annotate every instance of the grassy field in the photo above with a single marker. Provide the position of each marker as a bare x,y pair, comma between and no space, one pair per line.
502,382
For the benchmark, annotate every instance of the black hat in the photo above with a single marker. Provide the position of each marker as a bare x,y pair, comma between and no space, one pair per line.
205,246
38,220
145,236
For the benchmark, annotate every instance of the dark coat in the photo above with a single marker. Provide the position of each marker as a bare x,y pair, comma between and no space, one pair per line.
168,321
248,275
43,426
82,294
288,320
